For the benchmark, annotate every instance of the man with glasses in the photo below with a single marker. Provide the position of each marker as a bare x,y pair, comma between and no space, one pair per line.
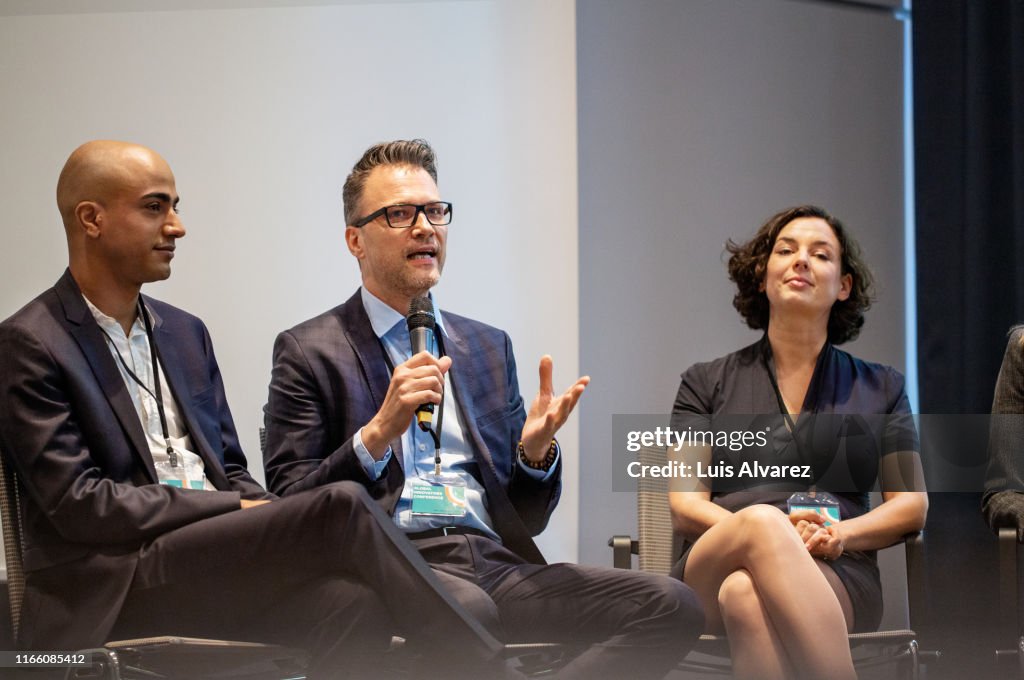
473,482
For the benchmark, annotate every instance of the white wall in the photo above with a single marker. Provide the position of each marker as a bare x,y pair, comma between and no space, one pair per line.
261,112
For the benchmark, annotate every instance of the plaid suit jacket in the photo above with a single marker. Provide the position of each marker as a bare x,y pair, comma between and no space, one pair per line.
329,379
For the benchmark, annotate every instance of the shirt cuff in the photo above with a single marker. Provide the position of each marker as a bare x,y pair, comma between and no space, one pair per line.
373,468
542,475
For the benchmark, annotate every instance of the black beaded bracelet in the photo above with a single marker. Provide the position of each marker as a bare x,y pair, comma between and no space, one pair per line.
544,465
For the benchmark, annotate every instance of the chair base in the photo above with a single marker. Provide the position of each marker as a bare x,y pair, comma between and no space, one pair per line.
180,658
1010,662
884,650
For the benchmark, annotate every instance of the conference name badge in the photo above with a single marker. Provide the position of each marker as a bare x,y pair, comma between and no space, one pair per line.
821,502
184,472
178,484
439,499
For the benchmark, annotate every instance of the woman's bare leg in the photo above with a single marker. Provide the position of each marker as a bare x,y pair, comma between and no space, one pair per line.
840,590
798,600
758,652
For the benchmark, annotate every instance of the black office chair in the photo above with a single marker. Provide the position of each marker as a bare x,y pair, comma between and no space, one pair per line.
657,547
158,658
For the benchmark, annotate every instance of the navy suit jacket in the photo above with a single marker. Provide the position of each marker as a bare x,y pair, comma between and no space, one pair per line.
329,379
91,498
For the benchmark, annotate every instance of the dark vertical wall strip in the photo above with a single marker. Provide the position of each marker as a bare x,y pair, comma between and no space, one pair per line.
969,126
968,66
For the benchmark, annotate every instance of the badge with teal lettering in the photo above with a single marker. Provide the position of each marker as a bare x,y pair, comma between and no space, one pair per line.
821,502
177,483
446,500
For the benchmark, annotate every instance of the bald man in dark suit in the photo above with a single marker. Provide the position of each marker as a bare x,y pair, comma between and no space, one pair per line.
139,515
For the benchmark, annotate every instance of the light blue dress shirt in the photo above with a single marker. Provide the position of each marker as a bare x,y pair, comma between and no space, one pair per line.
418,446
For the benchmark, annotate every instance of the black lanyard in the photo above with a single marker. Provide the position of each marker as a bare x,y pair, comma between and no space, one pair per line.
154,355
813,389
813,394
782,402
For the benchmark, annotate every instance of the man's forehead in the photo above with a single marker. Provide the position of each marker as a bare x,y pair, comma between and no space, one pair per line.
396,179
147,176
146,188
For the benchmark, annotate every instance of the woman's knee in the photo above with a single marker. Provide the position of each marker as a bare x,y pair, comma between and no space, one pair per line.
739,600
737,591
762,516
764,525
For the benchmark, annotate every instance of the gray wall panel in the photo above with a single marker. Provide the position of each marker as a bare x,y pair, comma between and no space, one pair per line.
698,119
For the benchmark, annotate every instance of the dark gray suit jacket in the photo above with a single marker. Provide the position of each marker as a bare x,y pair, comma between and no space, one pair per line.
329,379
69,429
1003,501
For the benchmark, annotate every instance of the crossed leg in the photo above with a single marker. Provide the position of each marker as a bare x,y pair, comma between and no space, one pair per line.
783,617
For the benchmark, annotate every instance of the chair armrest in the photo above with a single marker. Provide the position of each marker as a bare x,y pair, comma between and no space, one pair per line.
623,549
917,587
1008,605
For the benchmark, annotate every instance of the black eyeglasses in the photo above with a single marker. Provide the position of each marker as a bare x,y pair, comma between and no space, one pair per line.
404,215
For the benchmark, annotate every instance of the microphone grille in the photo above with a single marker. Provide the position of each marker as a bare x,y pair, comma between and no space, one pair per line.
421,314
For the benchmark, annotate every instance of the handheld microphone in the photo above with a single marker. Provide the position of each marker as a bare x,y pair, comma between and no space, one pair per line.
420,322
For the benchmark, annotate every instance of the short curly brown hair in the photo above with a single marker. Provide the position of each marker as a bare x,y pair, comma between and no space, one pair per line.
748,263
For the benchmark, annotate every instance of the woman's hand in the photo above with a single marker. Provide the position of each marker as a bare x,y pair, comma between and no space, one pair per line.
821,541
827,543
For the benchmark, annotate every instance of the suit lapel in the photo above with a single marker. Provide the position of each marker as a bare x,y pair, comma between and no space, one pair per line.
373,363
507,521
463,374
82,327
170,364
367,348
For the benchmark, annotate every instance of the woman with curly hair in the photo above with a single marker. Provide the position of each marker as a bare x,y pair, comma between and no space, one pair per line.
787,580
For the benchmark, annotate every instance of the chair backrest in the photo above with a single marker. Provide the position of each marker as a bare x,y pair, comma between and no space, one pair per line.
10,518
658,544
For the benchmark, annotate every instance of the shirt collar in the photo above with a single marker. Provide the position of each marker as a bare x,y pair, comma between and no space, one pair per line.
383,318
109,323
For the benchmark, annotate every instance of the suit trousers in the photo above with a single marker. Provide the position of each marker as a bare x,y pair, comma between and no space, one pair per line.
632,624
325,570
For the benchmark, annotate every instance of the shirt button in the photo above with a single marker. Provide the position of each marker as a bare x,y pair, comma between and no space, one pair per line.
423,447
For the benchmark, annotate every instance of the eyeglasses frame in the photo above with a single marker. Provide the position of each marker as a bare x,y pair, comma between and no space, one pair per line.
362,222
